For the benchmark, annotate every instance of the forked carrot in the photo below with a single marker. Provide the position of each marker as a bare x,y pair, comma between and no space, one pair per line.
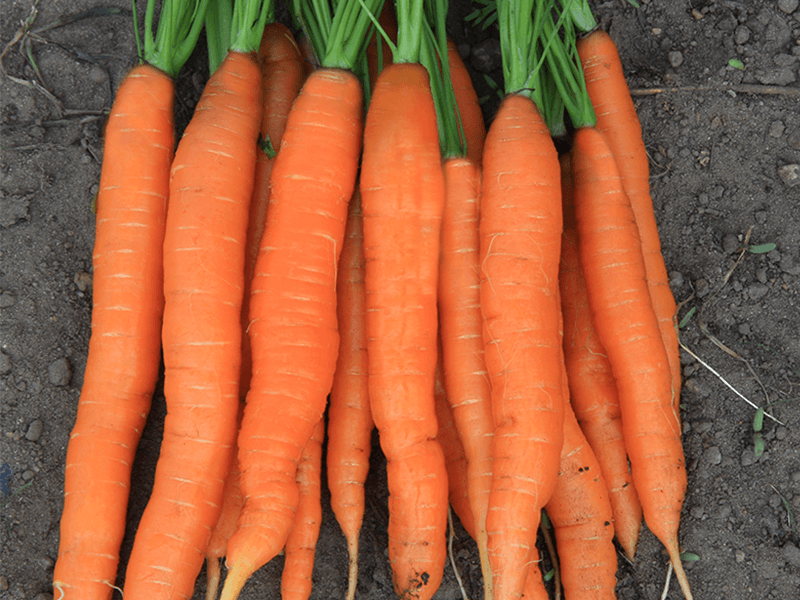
128,301
592,387
349,417
627,326
302,541
617,119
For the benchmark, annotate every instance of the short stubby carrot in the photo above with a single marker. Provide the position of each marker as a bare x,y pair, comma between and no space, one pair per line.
520,241
210,187
293,329
592,387
627,326
282,75
125,347
617,119
402,190
349,417
580,511
302,541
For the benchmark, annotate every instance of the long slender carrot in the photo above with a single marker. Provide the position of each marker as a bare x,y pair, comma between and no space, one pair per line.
128,302
402,190
302,541
592,386
617,119
211,183
469,108
455,459
349,418
293,329
616,281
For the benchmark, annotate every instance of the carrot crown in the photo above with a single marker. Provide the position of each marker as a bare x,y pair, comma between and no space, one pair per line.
338,37
179,26
218,31
247,23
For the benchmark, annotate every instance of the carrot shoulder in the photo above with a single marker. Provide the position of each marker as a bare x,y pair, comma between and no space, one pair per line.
617,119
210,188
616,281
402,191
125,347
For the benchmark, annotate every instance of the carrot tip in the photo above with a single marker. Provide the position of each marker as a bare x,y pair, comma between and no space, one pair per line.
235,580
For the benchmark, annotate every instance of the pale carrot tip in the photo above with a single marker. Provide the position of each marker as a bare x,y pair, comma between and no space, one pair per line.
235,580
352,574
680,574
212,577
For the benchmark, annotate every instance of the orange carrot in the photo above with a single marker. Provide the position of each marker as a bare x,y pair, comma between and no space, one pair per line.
210,188
592,386
455,460
617,119
349,418
125,347
614,268
520,229
128,302
580,511
282,75
402,191
293,329
302,541
469,107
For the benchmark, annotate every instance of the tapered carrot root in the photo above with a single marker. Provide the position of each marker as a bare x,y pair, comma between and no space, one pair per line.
211,183
617,119
402,191
293,328
520,231
628,329
302,541
464,364
582,519
124,350
349,417
592,386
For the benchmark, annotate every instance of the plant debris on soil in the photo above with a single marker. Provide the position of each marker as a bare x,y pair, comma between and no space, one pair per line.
716,87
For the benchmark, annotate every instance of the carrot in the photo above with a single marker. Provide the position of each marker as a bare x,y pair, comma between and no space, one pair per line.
580,511
617,119
455,460
627,326
128,301
349,418
469,107
210,189
302,541
232,502
293,329
592,386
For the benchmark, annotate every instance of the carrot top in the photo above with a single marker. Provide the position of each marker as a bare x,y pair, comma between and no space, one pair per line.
247,23
218,32
179,26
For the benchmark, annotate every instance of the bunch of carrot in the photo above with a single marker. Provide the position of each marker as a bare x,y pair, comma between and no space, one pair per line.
499,313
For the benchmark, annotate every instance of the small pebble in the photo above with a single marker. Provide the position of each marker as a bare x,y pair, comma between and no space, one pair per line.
789,174
675,279
702,287
788,6
83,281
60,372
712,455
776,129
749,458
5,364
45,562
697,512
761,275
741,35
34,431
744,329
7,299
675,58
3,583
97,74
730,243
757,291
28,475
791,554
780,432
739,556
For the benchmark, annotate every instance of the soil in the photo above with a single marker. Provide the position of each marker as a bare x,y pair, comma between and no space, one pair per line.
720,135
